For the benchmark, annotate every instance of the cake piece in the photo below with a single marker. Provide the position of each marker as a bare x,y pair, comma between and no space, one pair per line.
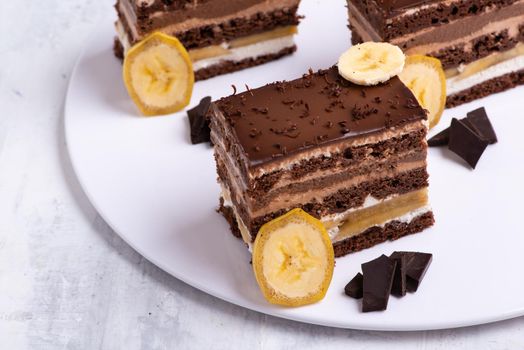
220,36
352,156
479,42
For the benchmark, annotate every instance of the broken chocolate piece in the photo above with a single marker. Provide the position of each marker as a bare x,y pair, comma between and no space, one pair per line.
440,139
480,123
198,123
354,288
466,143
377,282
416,266
399,279
477,121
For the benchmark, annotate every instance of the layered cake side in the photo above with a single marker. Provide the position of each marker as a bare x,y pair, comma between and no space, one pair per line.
352,156
220,37
479,42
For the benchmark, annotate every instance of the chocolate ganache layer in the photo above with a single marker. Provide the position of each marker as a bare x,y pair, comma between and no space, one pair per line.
286,118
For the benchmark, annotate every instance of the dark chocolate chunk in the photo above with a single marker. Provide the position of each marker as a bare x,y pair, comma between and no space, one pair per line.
377,282
477,121
480,123
198,123
354,287
466,143
416,265
399,279
440,139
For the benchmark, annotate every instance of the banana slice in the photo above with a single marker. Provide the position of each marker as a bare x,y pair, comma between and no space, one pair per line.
425,77
158,75
371,63
293,259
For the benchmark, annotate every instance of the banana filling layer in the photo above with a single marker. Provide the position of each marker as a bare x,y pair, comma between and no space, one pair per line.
227,48
497,67
401,208
465,71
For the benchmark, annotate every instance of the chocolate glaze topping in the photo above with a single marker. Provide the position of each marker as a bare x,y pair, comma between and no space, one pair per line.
284,118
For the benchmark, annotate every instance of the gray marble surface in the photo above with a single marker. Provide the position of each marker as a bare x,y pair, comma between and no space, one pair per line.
66,280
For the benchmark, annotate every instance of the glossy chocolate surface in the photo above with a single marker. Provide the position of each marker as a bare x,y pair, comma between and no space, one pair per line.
284,118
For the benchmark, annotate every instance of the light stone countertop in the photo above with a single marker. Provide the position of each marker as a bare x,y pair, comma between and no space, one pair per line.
67,281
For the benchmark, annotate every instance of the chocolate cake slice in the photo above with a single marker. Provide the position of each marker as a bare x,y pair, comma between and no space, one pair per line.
352,156
220,36
479,42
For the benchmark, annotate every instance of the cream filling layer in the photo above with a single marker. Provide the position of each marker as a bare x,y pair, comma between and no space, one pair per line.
122,36
267,47
244,232
455,85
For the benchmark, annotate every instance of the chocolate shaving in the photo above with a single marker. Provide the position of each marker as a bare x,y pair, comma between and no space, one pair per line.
412,103
362,112
263,110
249,90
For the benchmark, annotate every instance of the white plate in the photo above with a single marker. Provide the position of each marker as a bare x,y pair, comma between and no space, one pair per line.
159,193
